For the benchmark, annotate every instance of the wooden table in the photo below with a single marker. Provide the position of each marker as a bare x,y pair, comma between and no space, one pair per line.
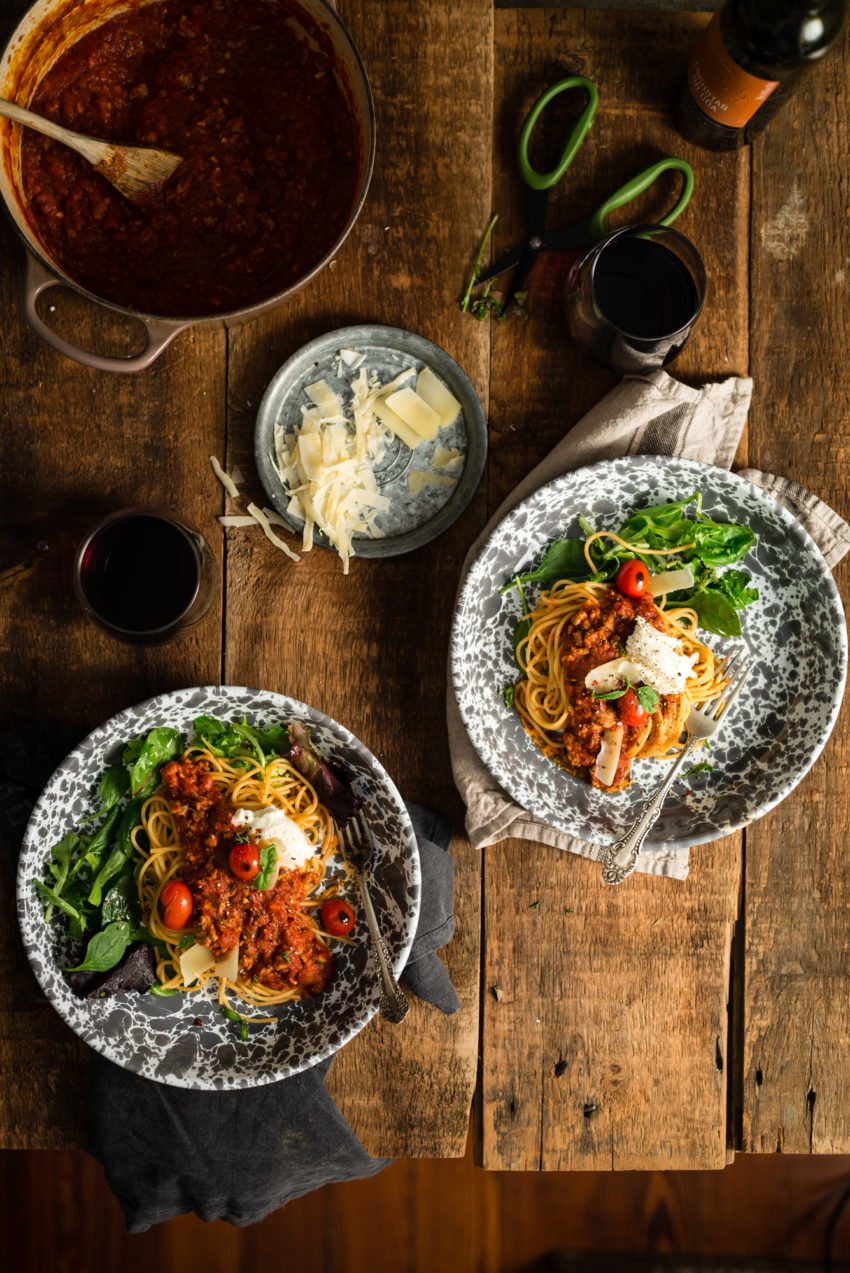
659,1025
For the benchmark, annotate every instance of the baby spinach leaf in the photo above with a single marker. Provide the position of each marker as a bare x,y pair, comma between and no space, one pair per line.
159,745
114,785
122,851
734,584
106,948
721,543
563,559
716,613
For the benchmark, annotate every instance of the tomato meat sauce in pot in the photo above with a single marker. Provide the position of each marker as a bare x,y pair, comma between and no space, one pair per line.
256,99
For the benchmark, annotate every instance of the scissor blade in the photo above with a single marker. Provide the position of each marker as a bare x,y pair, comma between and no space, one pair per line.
572,236
506,262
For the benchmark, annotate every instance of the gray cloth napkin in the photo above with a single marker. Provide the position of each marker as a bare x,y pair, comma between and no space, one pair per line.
234,1156
652,414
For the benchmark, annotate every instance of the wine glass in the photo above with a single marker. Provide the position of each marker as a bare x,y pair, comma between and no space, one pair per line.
143,575
633,299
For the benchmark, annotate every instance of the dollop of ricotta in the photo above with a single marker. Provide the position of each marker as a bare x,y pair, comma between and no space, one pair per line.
269,823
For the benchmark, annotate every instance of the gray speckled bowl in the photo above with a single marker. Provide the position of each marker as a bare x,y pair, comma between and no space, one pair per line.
158,1038
412,520
777,728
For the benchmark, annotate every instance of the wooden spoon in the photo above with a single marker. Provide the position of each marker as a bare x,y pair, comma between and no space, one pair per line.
136,171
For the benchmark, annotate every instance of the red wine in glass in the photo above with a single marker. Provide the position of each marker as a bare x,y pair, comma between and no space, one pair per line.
143,576
634,298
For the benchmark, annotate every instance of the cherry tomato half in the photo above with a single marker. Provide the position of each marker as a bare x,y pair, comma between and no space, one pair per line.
631,712
176,904
337,917
632,578
244,860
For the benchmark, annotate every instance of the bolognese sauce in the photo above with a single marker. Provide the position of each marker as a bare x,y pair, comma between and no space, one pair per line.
596,634
251,95
278,946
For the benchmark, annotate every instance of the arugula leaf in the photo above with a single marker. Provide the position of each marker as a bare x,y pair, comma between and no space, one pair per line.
114,785
521,631
161,992
648,698
53,897
159,745
268,861
61,856
702,767
508,695
716,613
563,559
106,948
734,586
241,1021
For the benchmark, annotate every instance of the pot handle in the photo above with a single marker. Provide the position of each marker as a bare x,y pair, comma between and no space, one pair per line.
160,331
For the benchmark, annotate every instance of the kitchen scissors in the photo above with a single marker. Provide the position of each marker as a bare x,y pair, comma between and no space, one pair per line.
523,258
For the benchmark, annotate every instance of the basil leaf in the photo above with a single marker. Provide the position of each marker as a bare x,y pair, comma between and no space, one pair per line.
106,948
268,861
716,613
160,745
606,696
648,698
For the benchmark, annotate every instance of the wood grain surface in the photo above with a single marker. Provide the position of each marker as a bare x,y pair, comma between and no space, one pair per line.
796,1008
605,1022
662,1025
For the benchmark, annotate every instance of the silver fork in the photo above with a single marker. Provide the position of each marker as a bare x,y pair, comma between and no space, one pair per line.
620,858
358,846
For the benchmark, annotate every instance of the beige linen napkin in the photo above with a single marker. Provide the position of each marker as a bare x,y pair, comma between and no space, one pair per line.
644,415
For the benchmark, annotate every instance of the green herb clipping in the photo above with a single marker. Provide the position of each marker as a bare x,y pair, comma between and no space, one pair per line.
268,862
106,948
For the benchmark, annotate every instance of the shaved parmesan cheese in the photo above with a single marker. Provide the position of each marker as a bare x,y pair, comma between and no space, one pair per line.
228,966
390,420
237,475
237,520
437,396
227,482
415,412
609,755
419,479
260,517
613,675
194,962
670,581
447,458
351,357
666,668
326,400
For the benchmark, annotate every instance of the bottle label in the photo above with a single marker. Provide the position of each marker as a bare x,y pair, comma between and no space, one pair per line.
719,86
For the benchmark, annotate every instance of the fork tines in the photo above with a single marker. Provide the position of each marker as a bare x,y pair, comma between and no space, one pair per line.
737,670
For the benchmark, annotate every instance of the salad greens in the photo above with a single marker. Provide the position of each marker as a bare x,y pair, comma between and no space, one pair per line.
687,538
92,872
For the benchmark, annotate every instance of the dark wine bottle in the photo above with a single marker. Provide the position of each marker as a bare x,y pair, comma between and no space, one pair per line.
748,62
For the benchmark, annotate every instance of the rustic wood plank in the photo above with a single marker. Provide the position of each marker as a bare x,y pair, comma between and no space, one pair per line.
606,1047
797,1016
370,649
75,444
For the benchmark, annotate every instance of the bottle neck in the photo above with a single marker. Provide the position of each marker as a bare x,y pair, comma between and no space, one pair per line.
781,33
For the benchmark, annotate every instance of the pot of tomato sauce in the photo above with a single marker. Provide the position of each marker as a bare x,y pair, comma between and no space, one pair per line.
268,104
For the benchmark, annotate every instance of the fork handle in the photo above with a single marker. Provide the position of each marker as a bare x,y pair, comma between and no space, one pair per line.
393,1005
620,858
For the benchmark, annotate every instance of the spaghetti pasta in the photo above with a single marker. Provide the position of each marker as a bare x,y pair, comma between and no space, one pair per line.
185,831
576,627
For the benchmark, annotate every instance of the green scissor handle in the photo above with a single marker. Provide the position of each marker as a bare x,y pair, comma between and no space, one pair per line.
643,180
546,180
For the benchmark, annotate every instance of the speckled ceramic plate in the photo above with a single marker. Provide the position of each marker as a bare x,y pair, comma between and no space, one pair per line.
782,719
411,520
159,1037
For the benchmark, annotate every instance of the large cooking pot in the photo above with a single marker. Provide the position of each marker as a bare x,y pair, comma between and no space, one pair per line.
47,30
